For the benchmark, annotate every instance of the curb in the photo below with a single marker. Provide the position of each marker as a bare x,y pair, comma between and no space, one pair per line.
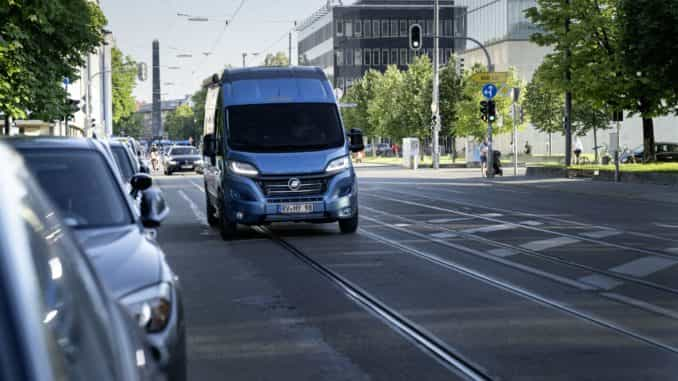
656,178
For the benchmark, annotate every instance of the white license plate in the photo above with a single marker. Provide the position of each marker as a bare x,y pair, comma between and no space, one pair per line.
296,208
186,166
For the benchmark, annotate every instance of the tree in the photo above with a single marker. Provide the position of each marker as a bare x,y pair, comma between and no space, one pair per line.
130,125
180,124
41,43
544,106
123,77
414,100
451,94
278,59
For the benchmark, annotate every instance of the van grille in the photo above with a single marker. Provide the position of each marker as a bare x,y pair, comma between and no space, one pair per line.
280,187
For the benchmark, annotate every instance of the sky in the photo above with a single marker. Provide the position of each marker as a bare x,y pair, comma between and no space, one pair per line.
259,26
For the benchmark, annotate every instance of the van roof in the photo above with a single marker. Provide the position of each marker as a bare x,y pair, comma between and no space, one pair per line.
271,72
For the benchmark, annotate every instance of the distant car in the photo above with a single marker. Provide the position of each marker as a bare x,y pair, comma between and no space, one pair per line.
384,149
84,183
666,152
182,159
57,320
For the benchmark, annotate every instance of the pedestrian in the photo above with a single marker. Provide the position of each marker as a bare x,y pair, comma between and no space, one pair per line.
528,148
578,148
483,157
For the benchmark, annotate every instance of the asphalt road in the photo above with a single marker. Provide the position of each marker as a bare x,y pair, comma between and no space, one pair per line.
449,277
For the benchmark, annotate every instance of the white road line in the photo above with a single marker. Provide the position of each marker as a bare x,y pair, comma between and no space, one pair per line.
645,266
601,233
490,229
402,225
196,210
448,220
443,235
666,225
642,305
548,243
197,186
601,281
491,215
501,252
532,223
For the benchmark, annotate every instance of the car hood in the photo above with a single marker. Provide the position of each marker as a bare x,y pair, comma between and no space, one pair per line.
289,162
123,257
184,157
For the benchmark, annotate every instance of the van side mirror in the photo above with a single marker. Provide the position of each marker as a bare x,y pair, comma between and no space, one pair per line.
356,139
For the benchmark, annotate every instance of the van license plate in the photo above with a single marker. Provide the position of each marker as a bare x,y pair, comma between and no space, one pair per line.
296,208
186,166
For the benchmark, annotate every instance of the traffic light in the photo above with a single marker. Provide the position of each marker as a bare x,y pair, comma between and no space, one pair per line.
491,111
416,40
521,115
142,71
73,107
484,110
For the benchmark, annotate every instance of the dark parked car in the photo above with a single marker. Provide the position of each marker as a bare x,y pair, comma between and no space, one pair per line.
182,159
83,181
384,149
52,305
666,152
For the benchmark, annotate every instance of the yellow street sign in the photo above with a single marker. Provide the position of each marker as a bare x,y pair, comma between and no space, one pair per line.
494,77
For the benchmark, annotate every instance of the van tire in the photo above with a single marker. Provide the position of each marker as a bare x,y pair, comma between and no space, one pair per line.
211,212
349,226
227,228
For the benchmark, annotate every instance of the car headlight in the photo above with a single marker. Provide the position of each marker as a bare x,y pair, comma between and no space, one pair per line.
198,162
151,307
243,169
338,165
171,162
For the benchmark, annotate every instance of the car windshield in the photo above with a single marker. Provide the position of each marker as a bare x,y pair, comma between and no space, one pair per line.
122,159
82,186
284,127
184,151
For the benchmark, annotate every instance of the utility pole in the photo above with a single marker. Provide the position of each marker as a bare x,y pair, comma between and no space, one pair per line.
289,51
516,98
568,93
244,57
435,107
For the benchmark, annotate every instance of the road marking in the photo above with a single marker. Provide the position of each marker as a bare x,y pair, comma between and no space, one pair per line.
196,210
491,215
489,229
443,235
644,266
642,305
601,281
402,225
532,223
601,233
448,220
197,186
549,243
666,225
502,253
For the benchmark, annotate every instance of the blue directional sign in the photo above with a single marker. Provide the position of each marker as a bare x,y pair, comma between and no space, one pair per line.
67,81
489,91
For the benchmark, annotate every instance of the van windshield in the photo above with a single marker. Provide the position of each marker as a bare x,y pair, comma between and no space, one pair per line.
284,127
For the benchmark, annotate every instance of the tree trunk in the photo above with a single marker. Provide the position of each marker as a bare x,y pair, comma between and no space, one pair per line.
453,149
550,144
374,146
6,125
595,144
648,140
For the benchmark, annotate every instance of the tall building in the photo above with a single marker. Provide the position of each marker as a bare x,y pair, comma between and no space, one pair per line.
347,40
147,111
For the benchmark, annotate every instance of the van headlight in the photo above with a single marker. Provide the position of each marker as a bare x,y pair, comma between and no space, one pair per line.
151,306
172,162
243,169
338,165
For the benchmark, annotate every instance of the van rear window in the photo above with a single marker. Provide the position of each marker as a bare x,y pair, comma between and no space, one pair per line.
284,127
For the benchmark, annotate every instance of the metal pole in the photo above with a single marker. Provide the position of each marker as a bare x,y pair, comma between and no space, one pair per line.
568,95
490,151
244,64
616,155
436,85
289,55
515,140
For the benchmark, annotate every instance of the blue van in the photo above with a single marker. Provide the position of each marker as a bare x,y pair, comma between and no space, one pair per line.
275,150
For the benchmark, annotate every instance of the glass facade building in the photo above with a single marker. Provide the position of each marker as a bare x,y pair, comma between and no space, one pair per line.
346,41
492,21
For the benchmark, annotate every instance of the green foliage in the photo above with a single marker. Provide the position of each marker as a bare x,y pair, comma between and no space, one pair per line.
123,77
361,93
181,124
544,104
130,125
43,42
414,99
451,94
278,59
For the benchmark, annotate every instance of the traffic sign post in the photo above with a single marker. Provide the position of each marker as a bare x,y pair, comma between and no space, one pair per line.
489,91
493,77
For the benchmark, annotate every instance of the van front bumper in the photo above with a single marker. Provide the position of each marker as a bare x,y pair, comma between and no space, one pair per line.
246,204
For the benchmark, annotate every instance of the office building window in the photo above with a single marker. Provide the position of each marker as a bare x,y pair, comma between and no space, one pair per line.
428,30
375,28
404,32
358,61
394,28
348,28
339,57
394,57
447,28
340,83
349,83
340,27
384,57
403,57
349,57
358,28
384,28
375,57
367,28
367,57
410,57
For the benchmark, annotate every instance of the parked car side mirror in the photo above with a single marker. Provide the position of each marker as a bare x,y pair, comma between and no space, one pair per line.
154,209
140,182
144,169
356,139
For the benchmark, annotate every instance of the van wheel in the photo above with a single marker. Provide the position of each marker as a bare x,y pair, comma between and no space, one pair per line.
349,226
227,228
212,219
